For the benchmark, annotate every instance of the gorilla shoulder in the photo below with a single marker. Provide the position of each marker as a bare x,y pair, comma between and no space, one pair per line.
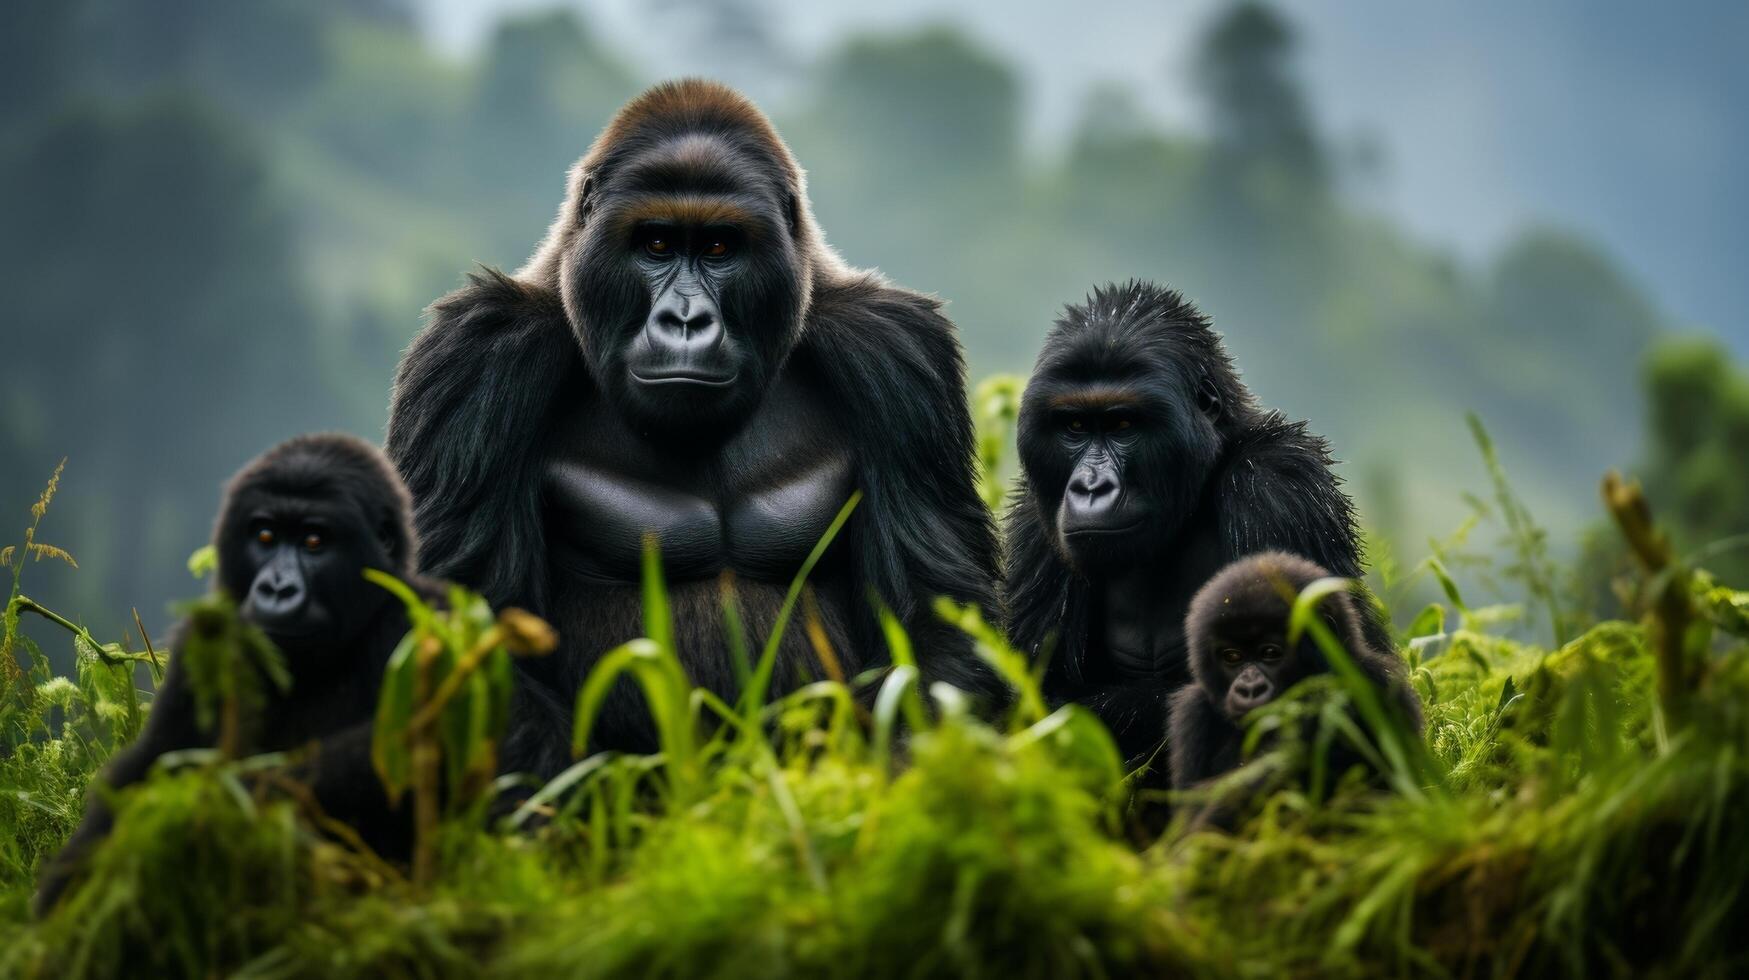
492,356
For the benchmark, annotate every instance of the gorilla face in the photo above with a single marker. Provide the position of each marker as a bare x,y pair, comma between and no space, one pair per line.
685,343
297,532
1117,447
1252,664
684,282
1236,630
305,565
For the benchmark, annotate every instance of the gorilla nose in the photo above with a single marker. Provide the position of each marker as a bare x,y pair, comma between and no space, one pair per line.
1092,493
686,325
1250,692
276,595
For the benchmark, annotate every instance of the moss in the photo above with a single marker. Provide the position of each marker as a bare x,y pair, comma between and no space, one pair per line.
1561,824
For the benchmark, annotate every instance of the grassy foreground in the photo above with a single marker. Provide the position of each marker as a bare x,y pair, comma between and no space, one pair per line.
1573,812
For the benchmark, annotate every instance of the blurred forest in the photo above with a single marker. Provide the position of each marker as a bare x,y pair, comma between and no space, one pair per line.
223,221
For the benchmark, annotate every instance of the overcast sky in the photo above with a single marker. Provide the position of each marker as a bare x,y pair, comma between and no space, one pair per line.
1622,120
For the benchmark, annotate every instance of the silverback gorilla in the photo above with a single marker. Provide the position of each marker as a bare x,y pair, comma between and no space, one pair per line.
1240,660
685,356
1147,466
296,530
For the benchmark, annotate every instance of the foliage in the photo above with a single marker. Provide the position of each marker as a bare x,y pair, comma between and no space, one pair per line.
54,730
1256,105
996,413
1699,437
1529,543
445,704
1697,434
232,668
1569,812
195,873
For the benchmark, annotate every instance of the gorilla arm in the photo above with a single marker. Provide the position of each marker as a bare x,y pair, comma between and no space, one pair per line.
473,400
1202,742
894,358
1276,493
471,403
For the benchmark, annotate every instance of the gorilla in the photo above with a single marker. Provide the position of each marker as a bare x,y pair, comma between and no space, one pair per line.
296,530
1240,660
1146,466
685,356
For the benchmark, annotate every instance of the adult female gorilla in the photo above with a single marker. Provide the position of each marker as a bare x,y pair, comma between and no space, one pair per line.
685,356
1147,467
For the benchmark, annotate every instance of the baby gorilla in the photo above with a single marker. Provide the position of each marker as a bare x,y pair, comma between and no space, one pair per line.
1240,658
296,530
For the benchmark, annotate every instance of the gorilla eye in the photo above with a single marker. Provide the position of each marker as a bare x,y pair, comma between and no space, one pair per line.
658,247
716,250
264,535
1269,651
1120,424
1077,426
1231,656
312,541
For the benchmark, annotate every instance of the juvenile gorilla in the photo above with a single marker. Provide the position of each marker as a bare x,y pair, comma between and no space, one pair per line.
1241,661
684,356
296,530
1146,467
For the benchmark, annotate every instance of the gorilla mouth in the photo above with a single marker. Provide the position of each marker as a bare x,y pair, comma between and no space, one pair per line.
1089,529
682,376
290,636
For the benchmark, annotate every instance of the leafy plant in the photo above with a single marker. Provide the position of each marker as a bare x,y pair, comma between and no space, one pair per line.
995,413
1528,541
1568,813
54,731
445,703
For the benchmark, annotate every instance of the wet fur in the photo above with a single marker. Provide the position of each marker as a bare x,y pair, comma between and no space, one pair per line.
1251,480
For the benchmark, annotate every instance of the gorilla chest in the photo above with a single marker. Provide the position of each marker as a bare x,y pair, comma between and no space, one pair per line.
1138,624
755,504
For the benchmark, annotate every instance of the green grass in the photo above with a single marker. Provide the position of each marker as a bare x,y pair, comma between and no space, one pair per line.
1564,815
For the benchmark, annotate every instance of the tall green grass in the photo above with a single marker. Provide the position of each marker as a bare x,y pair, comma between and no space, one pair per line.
1570,811
54,730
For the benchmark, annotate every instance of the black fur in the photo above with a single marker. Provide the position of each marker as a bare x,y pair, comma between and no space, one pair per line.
506,362
1246,605
472,397
336,672
1224,478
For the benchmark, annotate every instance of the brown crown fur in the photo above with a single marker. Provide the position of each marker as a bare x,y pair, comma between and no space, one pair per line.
688,102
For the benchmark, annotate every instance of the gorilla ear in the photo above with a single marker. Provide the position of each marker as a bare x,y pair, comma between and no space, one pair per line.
386,536
585,200
1208,398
